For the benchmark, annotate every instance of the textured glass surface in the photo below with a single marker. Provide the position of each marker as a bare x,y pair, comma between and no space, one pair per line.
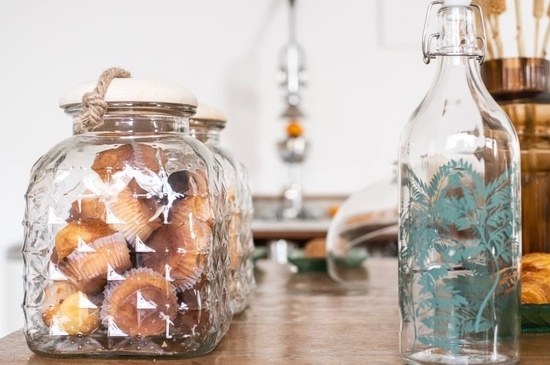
125,248
459,217
239,197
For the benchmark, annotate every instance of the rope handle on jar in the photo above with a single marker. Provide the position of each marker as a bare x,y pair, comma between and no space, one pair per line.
94,105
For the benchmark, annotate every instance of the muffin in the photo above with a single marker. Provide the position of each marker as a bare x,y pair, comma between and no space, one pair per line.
90,270
76,315
193,190
180,251
88,208
143,304
78,233
132,156
55,294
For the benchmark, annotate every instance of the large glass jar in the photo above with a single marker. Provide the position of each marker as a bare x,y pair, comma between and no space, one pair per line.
122,232
206,126
521,87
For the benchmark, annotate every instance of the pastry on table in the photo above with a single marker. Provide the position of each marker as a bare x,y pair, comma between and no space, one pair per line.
316,248
535,278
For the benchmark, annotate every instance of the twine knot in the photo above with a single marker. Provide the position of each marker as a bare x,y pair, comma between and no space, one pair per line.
94,105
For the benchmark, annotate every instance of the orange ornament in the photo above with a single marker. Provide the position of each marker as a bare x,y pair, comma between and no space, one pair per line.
294,129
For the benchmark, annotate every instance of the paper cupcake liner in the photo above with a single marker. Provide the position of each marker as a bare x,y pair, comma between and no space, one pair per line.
89,270
134,216
143,304
197,208
179,252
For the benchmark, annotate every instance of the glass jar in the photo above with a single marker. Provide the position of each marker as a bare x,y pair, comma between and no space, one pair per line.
206,126
363,235
122,232
459,213
520,86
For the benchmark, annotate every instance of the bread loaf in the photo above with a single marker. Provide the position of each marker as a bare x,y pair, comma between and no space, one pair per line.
535,278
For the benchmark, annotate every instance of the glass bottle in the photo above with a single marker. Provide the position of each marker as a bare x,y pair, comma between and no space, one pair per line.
122,225
206,126
520,86
459,213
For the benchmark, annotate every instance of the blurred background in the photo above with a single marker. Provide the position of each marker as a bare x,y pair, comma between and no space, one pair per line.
365,76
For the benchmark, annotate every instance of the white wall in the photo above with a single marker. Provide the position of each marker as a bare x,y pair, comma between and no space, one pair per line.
364,63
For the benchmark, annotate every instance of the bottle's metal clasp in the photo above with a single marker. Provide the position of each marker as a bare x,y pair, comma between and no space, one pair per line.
427,39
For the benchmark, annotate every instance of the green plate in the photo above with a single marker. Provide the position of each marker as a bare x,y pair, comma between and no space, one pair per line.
535,317
306,264
352,260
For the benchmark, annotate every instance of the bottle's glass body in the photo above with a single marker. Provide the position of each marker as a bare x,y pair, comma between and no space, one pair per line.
123,254
459,215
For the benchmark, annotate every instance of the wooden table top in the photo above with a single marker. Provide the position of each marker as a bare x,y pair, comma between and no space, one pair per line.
301,318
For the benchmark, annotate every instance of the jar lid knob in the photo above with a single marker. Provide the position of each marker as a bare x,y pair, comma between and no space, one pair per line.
94,105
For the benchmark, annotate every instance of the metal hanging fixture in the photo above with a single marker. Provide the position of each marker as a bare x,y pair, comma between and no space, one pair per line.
292,67
293,148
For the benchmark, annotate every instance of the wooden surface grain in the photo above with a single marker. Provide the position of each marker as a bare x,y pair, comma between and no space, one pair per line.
301,318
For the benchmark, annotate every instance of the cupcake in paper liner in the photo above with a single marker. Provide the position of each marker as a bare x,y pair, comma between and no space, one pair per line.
195,197
143,304
130,211
90,267
178,252
135,156
79,233
135,215
76,315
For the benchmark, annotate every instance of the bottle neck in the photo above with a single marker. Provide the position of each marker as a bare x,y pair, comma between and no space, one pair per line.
132,119
457,31
457,51
207,133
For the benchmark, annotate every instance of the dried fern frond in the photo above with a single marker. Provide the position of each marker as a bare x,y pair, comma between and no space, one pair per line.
546,36
538,9
495,7
491,11
538,12
488,30
519,30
